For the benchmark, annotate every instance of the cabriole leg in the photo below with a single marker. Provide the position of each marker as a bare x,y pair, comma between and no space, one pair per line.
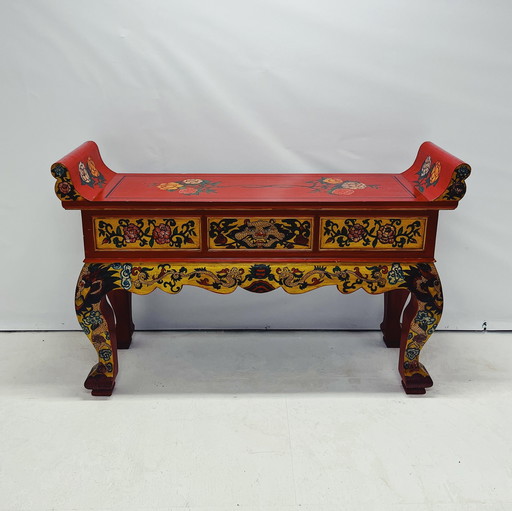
421,318
121,301
97,321
391,325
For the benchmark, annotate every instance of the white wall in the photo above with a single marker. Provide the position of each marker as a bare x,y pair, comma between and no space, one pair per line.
274,85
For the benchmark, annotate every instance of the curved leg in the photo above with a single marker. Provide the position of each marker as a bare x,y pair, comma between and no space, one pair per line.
421,318
97,321
121,301
391,325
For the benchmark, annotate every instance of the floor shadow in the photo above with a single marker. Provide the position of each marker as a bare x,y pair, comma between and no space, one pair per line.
258,362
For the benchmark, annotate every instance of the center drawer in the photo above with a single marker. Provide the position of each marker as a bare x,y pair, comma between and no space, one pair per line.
260,233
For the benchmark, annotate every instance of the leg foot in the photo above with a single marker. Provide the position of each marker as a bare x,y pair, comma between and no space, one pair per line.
98,383
417,382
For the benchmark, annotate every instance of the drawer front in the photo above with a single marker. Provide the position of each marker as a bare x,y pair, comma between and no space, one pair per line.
360,233
260,233
156,233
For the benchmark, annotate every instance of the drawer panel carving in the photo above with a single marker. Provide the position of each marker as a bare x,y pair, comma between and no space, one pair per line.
156,233
407,233
260,233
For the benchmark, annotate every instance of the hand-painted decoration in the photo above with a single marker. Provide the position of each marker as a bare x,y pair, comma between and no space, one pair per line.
96,280
189,186
141,278
93,285
330,185
90,175
380,233
457,187
141,233
423,282
64,187
260,233
338,186
428,174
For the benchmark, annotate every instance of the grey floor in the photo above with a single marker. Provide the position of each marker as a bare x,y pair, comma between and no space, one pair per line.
245,421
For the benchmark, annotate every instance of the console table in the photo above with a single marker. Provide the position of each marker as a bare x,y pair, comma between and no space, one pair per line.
260,232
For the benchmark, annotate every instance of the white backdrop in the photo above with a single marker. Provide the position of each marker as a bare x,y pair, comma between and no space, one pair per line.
254,86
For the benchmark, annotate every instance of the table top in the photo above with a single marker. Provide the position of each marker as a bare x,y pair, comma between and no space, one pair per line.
436,180
190,188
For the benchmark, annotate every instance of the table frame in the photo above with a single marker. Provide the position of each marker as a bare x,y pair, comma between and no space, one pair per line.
259,247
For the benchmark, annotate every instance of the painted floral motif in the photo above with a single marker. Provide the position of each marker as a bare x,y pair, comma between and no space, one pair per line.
125,272
94,283
355,233
90,175
92,319
143,279
132,233
424,319
428,175
423,281
338,186
372,233
135,233
64,188
457,187
396,274
189,186
96,280
267,233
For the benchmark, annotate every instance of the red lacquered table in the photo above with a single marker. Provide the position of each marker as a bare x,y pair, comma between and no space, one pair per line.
260,232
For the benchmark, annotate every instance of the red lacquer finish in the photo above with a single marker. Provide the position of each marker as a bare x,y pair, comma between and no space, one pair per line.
265,230
257,188
101,187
